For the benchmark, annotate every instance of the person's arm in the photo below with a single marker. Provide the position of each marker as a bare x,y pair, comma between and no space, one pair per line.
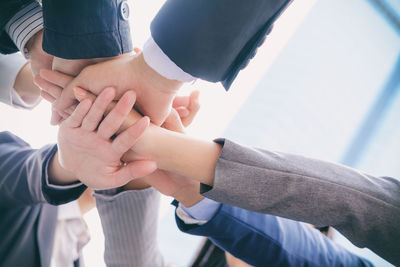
25,88
291,186
8,9
177,51
25,170
85,30
265,240
25,28
130,221
211,40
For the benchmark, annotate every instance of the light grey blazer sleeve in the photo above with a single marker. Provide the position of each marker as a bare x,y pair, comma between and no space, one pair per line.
364,208
130,221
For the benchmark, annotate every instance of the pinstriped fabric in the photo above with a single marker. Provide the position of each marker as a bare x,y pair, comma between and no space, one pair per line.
129,220
24,24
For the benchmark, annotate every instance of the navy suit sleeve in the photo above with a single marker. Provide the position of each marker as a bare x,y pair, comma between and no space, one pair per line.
214,39
8,8
23,173
76,29
266,240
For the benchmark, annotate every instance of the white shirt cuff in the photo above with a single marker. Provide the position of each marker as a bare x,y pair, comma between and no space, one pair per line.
161,63
200,213
25,24
17,101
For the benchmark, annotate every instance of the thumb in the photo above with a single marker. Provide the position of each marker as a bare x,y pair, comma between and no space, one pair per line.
133,170
173,122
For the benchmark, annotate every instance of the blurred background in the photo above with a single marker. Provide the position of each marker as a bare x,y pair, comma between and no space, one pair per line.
325,84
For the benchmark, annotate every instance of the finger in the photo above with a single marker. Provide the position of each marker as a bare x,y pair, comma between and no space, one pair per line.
98,109
133,170
66,98
183,112
128,138
56,118
193,108
77,117
46,96
63,113
71,109
173,122
110,125
181,101
82,94
55,77
50,88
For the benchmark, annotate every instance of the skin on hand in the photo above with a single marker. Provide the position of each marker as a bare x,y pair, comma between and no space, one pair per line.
154,92
166,185
38,58
183,189
86,150
25,87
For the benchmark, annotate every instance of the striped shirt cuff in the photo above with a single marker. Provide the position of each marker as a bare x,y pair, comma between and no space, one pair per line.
25,24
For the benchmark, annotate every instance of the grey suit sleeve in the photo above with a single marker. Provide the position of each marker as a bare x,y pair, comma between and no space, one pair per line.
364,208
129,220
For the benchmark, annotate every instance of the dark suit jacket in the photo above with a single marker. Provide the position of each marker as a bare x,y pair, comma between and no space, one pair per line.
266,240
75,29
27,221
8,8
214,39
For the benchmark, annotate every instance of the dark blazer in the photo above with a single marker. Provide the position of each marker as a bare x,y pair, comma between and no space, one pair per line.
214,39
75,29
266,240
27,221
8,8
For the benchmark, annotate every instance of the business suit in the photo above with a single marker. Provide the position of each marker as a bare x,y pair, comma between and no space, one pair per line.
266,240
8,8
27,222
364,208
214,39
130,218
75,29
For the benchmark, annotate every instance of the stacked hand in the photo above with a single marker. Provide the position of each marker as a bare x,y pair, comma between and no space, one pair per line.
185,108
86,150
154,93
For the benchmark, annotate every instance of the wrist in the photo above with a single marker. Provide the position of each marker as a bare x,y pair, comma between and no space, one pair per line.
153,77
57,174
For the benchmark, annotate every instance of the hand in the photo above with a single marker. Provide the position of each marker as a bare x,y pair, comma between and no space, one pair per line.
187,107
181,188
154,92
38,58
85,148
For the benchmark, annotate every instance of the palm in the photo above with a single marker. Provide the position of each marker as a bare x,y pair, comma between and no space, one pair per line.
90,152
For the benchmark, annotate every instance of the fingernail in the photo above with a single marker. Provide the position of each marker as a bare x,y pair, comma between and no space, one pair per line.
79,92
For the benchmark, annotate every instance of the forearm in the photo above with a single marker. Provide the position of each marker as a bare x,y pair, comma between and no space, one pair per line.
129,221
174,152
25,87
182,154
57,174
